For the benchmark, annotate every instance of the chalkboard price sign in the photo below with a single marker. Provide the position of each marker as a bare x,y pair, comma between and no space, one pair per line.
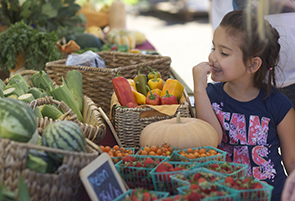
101,179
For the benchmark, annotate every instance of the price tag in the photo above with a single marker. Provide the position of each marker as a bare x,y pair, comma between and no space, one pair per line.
102,180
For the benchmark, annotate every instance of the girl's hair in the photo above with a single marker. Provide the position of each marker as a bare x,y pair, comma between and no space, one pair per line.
253,43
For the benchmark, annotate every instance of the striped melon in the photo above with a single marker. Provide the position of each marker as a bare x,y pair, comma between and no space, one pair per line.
17,120
65,135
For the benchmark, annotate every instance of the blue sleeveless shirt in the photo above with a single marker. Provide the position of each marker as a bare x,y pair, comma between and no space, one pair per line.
249,132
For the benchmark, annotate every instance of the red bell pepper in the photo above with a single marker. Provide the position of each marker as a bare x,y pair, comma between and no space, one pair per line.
152,98
168,99
131,105
123,90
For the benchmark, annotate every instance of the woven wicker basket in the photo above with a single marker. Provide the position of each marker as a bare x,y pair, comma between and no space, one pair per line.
93,125
129,123
62,185
97,82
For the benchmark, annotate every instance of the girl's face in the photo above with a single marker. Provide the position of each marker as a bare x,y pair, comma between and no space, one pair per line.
226,57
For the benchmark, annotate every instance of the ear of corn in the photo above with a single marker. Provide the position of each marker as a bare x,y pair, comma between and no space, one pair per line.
75,85
28,98
10,91
62,93
20,86
41,80
2,85
50,111
16,79
1,94
36,92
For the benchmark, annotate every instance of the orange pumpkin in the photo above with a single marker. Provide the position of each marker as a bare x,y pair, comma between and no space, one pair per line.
179,132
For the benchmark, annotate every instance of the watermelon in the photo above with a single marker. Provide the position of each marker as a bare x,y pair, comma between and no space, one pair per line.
66,135
17,120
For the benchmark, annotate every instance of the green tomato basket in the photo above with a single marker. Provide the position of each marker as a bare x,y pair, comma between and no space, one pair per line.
127,195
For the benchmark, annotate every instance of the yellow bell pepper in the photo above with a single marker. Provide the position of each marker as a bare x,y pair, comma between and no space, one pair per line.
174,87
157,83
139,97
132,84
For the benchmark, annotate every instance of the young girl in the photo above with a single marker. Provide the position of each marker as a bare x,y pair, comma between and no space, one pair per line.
252,118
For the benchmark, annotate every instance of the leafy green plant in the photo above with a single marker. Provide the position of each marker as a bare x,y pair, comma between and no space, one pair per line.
37,47
45,15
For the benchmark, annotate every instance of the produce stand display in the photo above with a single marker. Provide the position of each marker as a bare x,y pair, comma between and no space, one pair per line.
103,124
159,180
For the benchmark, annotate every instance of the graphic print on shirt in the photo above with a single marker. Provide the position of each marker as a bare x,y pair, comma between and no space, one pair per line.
238,139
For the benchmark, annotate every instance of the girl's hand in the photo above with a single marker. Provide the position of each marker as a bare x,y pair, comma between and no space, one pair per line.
200,73
288,193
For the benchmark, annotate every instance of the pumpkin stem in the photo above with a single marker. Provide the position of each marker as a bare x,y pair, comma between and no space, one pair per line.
178,118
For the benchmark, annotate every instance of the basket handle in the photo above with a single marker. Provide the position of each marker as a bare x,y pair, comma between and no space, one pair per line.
94,146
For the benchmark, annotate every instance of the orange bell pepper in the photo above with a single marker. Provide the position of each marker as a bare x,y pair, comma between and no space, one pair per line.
155,91
174,87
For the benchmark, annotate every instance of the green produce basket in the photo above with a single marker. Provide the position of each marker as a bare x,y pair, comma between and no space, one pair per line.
129,193
162,180
228,194
185,178
179,180
240,172
137,177
264,193
219,157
